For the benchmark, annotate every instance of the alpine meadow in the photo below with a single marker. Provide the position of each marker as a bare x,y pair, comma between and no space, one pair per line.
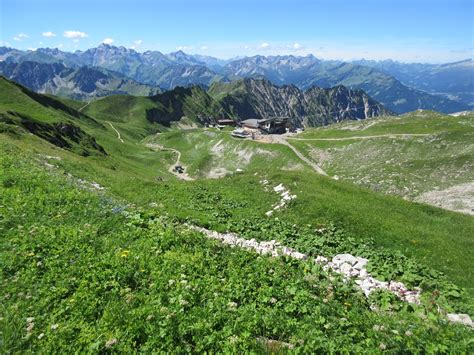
260,177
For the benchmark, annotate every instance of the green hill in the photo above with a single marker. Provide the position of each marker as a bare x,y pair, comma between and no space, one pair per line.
418,156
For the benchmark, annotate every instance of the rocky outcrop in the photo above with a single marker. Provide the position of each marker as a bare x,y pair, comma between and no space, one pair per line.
259,98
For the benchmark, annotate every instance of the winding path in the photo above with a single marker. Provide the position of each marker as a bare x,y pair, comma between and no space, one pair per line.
312,164
316,167
182,176
83,107
389,135
119,137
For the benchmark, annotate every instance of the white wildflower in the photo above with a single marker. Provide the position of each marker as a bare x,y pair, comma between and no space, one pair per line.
111,343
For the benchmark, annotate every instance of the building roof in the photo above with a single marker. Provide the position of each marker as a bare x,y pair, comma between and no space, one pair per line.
251,123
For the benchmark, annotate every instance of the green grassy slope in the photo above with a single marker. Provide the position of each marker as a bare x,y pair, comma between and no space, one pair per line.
213,153
441,156
83,272
131,170
171,106
409,242
434,237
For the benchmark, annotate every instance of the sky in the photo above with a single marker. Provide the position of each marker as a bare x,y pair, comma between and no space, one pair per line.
434,31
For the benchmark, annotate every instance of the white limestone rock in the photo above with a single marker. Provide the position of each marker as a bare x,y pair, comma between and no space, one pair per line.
460,318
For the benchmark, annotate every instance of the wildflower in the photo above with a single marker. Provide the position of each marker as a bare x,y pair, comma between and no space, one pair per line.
111,342
170,282
124,253
273,300
232,305
150,317
30,319
29,327
408,333
183,302
54,326
117,210
382,346
41,336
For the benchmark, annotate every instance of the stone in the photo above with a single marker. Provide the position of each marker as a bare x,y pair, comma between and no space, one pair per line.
344,258
360,264
321,260
460,318
345,269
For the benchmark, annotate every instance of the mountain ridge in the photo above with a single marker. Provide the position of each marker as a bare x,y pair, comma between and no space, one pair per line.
180,69
83,83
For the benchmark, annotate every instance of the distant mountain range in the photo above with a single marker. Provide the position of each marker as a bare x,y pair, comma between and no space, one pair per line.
399,87
452,80
82,83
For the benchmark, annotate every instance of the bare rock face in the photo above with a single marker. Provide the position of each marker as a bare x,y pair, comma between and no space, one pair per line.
259,98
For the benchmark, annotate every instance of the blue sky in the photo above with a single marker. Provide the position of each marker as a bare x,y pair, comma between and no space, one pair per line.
406,30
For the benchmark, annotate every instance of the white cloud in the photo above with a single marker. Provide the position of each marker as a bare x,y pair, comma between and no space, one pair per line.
264,45
20,37
32,49
297,46
108,40
74,34
136,44
204,48
48,34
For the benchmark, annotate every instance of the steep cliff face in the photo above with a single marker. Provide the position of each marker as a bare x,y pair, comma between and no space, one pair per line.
258,98
336,104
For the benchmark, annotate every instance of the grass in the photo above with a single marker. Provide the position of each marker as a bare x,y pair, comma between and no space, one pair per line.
405,241
83,271
131,170
417,122
209,150
404,166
